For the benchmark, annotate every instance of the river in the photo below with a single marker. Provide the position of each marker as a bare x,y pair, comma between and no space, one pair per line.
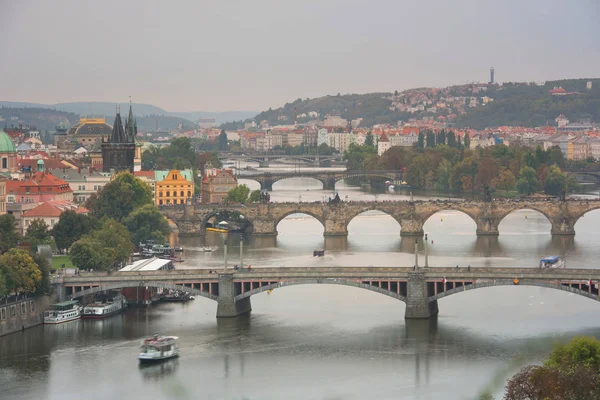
325,342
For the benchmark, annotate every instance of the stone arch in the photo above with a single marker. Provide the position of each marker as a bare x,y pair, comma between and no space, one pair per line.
509,282
276,179
300,210
528,207
260,182
372,207
323,281
163,285
592,207
215,211
424,217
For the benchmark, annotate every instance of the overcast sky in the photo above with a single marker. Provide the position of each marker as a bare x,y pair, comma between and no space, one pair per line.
198,55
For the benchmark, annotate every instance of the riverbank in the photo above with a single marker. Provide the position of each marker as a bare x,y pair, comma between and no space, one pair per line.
23,313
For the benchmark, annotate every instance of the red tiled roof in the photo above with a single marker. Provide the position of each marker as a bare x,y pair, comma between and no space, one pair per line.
147,174
49,163
39,182
54,209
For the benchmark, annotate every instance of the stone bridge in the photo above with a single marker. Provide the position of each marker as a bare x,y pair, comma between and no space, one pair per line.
595,175
263,160
328,179
411,216
420,289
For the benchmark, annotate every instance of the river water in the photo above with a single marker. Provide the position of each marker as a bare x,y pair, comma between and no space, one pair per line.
325,342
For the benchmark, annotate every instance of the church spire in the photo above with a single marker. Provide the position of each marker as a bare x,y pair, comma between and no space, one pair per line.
131,125
118,134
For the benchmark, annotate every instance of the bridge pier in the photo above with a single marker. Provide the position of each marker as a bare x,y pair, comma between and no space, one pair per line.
263,226
263,164
411,227
266,185
329,184
418,305
563,226
226,305
487,227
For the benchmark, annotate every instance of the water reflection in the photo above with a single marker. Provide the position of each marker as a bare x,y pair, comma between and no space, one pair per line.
158,371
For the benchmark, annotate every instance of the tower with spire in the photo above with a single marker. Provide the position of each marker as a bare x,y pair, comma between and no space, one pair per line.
118,153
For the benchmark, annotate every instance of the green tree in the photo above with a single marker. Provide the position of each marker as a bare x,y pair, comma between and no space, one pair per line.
254,196
421,140
70,228
527,182
223,144
556,181
486,172
88,254
44,286
147,223
238,194
120,197
21,272
356,156
116,240
38,234
3,286
369,141
8,235
581,351
430,137
467,141
441,138
505,180
451,139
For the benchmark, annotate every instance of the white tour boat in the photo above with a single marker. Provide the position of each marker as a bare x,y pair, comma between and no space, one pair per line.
158,348
108,306
63,312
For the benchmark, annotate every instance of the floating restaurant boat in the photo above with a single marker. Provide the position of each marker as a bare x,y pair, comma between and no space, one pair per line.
105,307
221,227
552,262
158,348
63,312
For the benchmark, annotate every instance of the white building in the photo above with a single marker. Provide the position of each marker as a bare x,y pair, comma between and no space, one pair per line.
323,137
403,140
335,121
341,141
383,145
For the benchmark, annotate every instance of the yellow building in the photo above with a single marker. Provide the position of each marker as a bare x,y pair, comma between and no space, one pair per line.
173,187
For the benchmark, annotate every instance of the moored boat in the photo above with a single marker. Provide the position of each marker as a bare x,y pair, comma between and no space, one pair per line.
63,312
105,307
158,348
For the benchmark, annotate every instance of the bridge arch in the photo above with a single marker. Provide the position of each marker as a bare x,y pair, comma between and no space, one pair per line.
592,207
510,282
503,216
324,281
308,212
373,207
216,211
428,216
127,284
276,179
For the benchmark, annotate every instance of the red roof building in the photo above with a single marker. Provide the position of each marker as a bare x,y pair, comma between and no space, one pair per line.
38,187
49,212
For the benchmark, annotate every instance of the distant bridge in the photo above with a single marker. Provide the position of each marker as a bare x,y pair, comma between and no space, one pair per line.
411,216
595,175
328,179
419,288
264,160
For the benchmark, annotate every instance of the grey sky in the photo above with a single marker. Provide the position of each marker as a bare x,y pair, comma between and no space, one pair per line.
251,55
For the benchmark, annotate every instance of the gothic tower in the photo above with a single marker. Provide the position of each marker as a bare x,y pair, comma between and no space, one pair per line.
119,152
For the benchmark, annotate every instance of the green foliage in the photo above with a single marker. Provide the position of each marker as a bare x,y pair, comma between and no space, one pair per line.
70,228
223,144
254,196
104,248
421,140
147,223
369,141
8,235
556,181
3,285
571,371
238,194
527,183
38,234
430,139
467,141
43,286
356,156
21,273
120,197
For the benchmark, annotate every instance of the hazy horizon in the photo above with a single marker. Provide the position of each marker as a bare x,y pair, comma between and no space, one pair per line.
210,56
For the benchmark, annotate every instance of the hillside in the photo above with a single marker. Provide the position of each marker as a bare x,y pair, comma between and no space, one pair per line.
517,104
41,118
142,110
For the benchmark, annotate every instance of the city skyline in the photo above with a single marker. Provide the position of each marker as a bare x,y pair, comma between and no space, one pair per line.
252,56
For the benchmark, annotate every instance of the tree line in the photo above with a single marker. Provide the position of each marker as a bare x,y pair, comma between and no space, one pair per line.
444,167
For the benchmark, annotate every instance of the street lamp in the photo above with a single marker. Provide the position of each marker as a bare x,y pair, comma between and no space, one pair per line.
241,250
299,198
224,236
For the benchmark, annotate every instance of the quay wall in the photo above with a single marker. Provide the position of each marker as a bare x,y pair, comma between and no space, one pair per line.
23,314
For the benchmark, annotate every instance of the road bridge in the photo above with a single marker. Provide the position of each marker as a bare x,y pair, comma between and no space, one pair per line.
411,216
594,175
264,160
328,179
419,288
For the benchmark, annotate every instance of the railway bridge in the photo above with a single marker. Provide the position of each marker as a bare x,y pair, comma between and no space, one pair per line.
192,219
419,288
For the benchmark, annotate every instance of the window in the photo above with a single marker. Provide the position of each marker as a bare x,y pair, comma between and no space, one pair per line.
168,194
4,162
27,222
160,202
189,193
174,177
32,306
51,222
13,311
160,194
182,194
23,308
3,313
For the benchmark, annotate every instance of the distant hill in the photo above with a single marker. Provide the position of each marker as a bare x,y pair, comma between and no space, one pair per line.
106,108
516,104
41,118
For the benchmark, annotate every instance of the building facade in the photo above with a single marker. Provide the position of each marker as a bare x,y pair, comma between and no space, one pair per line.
118,154
215,185
173,187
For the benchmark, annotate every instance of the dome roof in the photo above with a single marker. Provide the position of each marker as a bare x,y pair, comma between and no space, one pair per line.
91,126
6,145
